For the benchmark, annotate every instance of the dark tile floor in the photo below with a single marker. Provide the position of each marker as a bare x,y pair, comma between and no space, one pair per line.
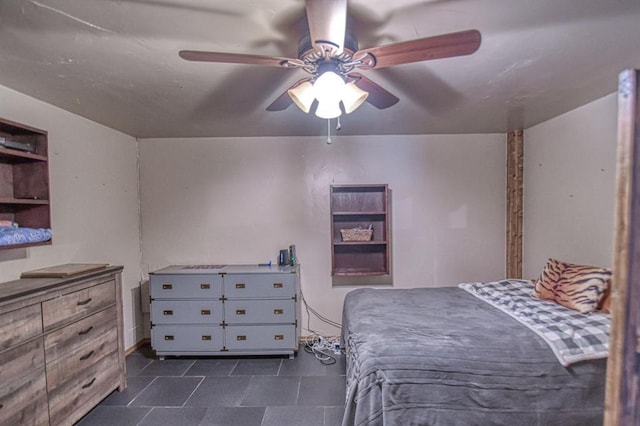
246,391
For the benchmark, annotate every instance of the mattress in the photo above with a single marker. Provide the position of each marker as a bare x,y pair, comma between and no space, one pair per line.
440,356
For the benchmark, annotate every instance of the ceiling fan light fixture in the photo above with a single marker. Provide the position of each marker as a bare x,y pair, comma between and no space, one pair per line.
328,110
303,96
353,97
329,88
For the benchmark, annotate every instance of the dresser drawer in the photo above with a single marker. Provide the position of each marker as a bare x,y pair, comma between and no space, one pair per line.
259,286
186,338
74,363
20,360
24,402
19,325
259,311
193,286
260,337
186,312
68,401
72,306
80,334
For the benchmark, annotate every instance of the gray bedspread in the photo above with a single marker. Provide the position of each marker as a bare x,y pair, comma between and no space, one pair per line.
440,356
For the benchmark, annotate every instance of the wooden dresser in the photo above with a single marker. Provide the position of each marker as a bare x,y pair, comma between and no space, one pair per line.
61,346
225,310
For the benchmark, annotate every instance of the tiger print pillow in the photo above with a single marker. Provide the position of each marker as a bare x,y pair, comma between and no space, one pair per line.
577,287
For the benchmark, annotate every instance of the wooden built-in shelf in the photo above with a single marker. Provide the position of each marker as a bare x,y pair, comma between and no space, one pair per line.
24,179
360,205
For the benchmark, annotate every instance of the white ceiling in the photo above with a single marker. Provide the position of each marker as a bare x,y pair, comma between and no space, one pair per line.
116,62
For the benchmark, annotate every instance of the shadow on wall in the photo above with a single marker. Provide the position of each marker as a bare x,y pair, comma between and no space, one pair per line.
368,280
13,254
140,307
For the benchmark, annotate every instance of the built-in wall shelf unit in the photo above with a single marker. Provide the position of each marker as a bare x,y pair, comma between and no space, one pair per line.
24,179
360,230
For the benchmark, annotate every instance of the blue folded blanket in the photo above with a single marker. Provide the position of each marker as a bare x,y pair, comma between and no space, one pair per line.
11,236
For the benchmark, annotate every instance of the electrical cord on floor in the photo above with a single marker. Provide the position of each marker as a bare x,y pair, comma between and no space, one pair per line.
321,347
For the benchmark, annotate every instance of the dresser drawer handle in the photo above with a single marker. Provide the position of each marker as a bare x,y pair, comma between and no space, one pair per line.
84,302
240,285
206,337
167,286
278,337
83,332
241,337
168,337
205,286
240,312
87,356
277,285
278,311
167,312
205,312
88,384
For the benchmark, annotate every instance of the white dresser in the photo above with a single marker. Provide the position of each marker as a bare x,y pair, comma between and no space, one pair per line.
225,310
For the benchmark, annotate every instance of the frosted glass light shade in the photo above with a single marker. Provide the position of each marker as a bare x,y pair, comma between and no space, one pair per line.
353,97
328,110
303,96
329,87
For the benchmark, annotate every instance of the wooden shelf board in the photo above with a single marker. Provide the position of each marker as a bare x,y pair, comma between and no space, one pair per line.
26,245
345,273
362,213
359,243
26,201
16,154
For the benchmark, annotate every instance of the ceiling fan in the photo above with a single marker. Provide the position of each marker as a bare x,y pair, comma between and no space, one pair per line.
329,49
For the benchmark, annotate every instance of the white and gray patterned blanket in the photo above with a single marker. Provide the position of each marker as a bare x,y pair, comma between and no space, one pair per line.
572,336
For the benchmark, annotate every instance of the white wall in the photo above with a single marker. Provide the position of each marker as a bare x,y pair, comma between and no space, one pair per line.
569,190
94,198
233,200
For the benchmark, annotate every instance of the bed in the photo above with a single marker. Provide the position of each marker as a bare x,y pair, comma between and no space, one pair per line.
450,356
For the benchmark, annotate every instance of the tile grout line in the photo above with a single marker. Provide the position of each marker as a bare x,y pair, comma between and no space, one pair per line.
194,390
140,393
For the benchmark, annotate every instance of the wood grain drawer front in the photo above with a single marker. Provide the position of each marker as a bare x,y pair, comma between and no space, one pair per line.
72,365
20,361
73,306
24,402
266,311
259,286
20,325
262,337
194,286
186,338
67,401
186,312
81,334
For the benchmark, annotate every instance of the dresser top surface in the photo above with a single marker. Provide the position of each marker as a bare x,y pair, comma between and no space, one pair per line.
11,291
225,269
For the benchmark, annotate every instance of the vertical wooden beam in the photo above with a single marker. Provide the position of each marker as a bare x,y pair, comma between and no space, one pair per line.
622,403
515,179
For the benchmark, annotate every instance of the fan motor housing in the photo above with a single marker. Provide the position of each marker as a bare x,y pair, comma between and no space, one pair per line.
305,47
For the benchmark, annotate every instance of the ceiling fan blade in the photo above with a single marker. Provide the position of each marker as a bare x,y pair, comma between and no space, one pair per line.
378,97
327,24
283,101
422,49
239,58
